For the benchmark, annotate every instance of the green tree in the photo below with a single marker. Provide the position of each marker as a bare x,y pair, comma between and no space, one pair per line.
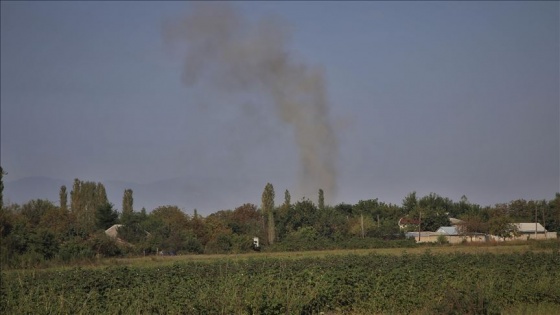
268,210
34,210
172,217
2,173
245,220
169,229
127,204
302,214
281,216
63,198
85,198
433,220
502,226
100,195
76,196
410,202
321,203
106,216
345,209
521,211
103,245
57,221
553,214
331,224
368,207
435,202
287,198
463,207
43,242
361,226
434,211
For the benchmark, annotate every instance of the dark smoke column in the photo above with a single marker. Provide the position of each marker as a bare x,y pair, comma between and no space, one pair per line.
234,55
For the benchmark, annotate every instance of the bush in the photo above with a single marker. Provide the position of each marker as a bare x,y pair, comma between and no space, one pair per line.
74,249
103,245
442,239
219,245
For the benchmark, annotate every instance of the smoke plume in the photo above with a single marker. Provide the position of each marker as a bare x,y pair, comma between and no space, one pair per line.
238,56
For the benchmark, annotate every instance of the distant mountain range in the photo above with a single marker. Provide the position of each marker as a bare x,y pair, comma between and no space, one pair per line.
207,195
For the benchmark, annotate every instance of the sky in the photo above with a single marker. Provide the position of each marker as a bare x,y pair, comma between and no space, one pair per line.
367,99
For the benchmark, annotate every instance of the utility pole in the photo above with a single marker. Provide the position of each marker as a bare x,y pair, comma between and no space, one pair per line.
362,224
536,220
419,225
543,218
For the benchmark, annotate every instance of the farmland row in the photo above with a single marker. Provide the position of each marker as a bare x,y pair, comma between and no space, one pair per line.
371,283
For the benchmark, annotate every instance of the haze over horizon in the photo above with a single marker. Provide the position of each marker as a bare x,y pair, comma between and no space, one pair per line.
366,99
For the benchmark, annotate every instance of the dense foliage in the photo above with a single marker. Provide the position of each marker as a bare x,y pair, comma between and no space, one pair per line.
371,284
42,233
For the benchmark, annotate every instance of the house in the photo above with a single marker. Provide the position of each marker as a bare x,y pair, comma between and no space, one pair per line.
408,223
528,231
423,236
533,231
455,234
456,222
113,230
448,230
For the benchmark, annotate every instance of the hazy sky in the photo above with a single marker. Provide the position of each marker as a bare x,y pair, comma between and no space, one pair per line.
457,98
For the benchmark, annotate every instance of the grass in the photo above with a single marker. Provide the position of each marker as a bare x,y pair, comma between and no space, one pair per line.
150,261
469,248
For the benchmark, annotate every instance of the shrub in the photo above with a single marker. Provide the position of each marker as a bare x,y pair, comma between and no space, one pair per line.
442,239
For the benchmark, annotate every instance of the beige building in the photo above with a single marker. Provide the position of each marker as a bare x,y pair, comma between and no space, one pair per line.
528,231
454,235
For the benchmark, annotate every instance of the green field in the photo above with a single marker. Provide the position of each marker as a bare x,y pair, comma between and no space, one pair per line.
516,279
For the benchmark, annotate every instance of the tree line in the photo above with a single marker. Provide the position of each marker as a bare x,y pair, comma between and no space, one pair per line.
40,231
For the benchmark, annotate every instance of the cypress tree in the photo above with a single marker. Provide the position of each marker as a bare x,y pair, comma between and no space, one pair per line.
287,199
268,210
63,198
2,187
321,200
127,209
85,198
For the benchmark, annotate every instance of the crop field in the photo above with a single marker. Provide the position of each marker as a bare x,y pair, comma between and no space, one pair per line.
412,281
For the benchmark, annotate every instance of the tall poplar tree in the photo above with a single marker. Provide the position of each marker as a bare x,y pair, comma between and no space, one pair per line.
287,199
85,198
100,195
321,200
63,198
127,203
268,210
75,195
2,187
